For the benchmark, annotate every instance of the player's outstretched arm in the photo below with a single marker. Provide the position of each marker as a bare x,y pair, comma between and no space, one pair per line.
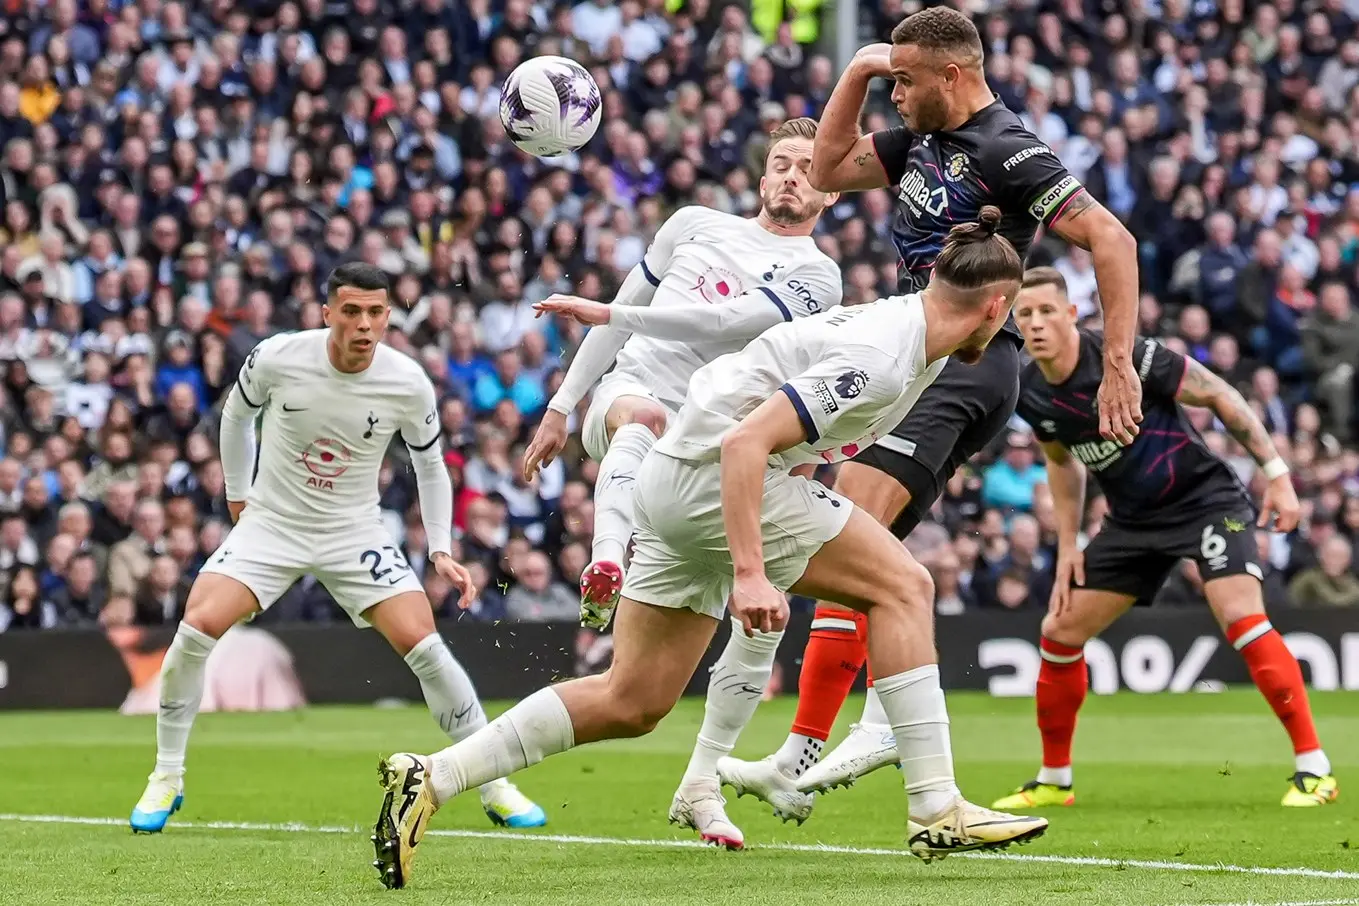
744,317
1066,480
1085,222
1200,387
843,158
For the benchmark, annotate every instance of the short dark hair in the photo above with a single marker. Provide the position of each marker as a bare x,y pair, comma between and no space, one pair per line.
358,275
975,255
1035,277
943,30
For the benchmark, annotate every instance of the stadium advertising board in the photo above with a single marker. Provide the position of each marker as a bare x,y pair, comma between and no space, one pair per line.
278,667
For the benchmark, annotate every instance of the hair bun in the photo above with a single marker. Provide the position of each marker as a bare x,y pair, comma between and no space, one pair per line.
989,218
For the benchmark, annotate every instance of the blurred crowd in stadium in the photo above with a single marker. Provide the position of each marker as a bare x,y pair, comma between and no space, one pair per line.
177,178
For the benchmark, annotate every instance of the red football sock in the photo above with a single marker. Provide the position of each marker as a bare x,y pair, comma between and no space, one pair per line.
1278,677
1060,694
834,656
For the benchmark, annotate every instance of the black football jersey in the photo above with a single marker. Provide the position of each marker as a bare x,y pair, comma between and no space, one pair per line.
1167,475
945,178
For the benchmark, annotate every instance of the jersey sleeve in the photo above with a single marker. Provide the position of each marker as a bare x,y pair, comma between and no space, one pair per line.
849,379
807,291
657,258
420,423
892,147
1161,369
259,375
1027,174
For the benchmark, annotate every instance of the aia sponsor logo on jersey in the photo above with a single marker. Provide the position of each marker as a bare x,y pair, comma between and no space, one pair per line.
717,284
326,459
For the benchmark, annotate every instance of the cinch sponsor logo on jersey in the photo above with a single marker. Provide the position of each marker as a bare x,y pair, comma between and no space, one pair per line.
1021,156
1098,454
326,459
799,289
717,284
916,191
1048,203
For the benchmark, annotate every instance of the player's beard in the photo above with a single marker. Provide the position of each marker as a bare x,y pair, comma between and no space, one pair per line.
788,213
930,114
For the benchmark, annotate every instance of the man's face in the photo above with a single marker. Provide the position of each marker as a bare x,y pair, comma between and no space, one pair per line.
787,195
357,319
923,83
1047,319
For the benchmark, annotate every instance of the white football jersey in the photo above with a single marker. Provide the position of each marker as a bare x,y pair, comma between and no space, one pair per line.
705,256
325,433
851,375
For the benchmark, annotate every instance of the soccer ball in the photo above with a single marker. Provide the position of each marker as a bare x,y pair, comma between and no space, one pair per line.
549,106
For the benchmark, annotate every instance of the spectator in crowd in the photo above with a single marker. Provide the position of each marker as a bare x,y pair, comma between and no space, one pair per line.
536,597
1009,483
1331,583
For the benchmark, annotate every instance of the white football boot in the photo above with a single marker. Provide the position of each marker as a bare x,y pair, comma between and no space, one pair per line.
763,780
866,748
700,805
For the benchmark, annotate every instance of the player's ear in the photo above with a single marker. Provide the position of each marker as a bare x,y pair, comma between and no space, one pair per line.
832,199
325,314
1071,310
763,180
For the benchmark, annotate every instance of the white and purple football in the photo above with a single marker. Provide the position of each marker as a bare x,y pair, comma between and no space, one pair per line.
549,106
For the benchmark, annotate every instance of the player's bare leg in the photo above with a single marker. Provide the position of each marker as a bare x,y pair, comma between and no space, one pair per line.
216,603
1238,605
831,652
656,650
633,424
1062,684
868,569
406,620
835,653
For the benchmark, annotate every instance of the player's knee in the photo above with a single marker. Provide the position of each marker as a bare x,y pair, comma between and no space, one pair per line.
649,416
638,716
216,603
1065,628
911,588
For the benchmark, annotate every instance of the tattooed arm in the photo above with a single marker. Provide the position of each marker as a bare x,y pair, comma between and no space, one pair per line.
843,158
1085,222
1201,387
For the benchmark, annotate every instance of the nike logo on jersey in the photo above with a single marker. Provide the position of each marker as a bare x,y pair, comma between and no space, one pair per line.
286,408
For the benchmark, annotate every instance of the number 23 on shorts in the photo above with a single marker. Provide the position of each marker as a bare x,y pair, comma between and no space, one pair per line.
374,560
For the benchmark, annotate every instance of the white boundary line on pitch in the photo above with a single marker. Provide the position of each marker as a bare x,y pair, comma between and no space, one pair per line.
505,836
1288,903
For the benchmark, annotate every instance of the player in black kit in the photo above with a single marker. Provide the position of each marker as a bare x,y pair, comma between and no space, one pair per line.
1169,498
959,150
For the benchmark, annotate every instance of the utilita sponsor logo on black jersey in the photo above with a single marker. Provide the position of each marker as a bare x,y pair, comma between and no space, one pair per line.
916,192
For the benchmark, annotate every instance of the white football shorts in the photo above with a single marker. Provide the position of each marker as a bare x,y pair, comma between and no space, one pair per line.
360,566
594,431
681,557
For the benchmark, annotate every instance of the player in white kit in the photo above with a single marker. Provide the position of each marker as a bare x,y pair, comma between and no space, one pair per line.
332,400
749,274
721,518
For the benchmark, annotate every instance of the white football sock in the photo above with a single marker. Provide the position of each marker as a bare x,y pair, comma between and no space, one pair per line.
181,692
448,689
873,713
614,488
535,728
1055,776
1313,762
735,688
914,703
798,753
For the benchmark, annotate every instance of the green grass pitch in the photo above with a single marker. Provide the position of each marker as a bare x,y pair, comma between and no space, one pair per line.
1177,804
